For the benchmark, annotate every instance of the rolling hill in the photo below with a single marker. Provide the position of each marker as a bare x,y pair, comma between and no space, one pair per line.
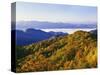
73,51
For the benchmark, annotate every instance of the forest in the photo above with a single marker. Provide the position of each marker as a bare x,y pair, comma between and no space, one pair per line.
73,51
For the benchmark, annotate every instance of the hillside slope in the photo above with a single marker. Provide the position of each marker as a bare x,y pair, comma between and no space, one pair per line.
74,51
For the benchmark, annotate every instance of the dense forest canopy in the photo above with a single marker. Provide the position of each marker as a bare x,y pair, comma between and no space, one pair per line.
73,51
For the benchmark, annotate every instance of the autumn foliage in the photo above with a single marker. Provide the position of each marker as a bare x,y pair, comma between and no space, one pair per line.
73,51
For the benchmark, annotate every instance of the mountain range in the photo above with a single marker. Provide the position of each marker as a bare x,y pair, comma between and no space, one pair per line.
23,25
33,35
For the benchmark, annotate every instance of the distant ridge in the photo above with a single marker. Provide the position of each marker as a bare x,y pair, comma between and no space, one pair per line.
51,25
33,35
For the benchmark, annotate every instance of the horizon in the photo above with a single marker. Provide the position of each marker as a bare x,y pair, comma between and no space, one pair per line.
54,22
23,25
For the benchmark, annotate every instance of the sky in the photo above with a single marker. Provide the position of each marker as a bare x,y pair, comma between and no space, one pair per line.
55,13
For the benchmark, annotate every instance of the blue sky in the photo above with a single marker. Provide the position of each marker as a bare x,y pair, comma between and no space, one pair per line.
55,13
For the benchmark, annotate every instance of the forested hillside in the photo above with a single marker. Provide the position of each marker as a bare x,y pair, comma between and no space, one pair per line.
73,51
